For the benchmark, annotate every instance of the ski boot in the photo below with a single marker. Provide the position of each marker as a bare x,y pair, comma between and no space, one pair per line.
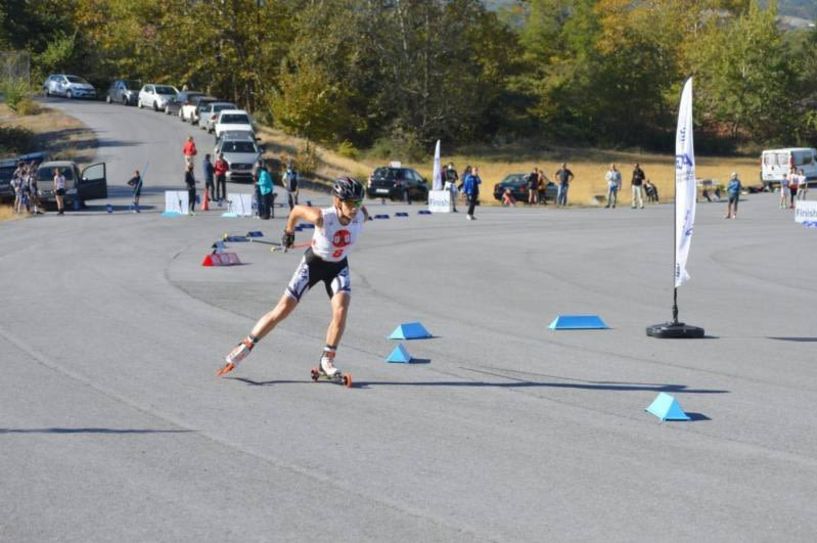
238,354
326,371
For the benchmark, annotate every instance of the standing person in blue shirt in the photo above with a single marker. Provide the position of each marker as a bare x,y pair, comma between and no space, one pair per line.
564,176
264,191
471,189
733,191
209,173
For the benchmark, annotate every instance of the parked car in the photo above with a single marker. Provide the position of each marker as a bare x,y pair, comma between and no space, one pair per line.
190,110
775,163
90,183
70,86
233,119
518,183
209,116
7,167
175,104
124,91
155,96
241,153
392,181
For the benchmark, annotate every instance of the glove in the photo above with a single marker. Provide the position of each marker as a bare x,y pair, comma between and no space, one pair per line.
288,239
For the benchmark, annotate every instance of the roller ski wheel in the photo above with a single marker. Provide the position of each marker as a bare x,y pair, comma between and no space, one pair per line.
344,379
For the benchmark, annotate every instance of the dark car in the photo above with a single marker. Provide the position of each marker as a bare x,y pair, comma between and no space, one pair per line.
392,183
174,105
518,183
123,91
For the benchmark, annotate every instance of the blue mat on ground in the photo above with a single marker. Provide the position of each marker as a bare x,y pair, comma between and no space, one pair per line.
578,322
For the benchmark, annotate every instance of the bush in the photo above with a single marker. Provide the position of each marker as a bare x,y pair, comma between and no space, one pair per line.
27,106
15,140
14,91
348,150
307,159
399,146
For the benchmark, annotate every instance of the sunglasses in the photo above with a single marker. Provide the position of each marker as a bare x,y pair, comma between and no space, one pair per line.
353,203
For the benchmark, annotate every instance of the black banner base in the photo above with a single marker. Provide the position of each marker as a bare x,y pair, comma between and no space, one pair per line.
675,330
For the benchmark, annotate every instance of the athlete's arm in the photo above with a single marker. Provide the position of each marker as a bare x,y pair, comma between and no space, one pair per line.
308,214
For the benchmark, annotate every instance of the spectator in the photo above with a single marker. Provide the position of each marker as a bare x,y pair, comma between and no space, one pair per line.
450,178
209,172
533,186
794,186
221,168
613,178
135,183
733,192
290,181
802,186
471,190
785,193
636,182
507,198
189,150
564,176
264,191
543,184
17,185
651,190
59,191
33,190
190,181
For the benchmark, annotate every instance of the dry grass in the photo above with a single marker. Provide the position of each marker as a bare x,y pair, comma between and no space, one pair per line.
589,166
62,136
7,213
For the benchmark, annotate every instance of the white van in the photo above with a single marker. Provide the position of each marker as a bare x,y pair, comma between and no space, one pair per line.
775,163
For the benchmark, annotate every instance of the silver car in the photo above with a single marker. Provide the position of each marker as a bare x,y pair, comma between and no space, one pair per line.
70,86
208,117
156,96
123,91
241,153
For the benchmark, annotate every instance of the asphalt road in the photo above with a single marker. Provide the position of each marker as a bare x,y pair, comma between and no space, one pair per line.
113,426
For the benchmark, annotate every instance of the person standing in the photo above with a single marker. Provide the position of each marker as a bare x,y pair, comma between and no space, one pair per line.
613,178
785,192
290,181
264,191
189,151
450,178
209,173
59,191
533,186
135,183
733,193
221,168
33,189
337,229
471,189
564,176
190,181
637,181
802,186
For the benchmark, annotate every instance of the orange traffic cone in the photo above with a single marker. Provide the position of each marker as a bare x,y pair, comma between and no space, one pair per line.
206,205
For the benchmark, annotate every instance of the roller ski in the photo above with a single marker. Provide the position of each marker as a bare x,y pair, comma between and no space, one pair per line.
326,371
235,356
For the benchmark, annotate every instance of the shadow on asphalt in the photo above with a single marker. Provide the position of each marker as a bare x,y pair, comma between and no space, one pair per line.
797,339
88,431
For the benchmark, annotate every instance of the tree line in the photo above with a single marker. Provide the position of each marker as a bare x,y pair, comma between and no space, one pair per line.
402,73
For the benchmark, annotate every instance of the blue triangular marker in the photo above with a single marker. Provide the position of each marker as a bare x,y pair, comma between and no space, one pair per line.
666,407
578,322
399,355
410,330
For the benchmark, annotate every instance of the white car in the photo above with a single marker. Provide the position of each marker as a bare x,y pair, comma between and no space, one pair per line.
776,163
233,119
156,96
70,86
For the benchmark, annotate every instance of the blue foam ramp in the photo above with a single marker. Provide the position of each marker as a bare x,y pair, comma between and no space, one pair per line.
578,322
255,234
399,355
230,215
401,214
382,216
410,330
666,407
171,214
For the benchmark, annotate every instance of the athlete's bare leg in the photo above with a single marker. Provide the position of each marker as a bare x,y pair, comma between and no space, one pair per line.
340,309
271,319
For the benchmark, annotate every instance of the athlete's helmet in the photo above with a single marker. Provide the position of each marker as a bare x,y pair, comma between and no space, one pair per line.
347,188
